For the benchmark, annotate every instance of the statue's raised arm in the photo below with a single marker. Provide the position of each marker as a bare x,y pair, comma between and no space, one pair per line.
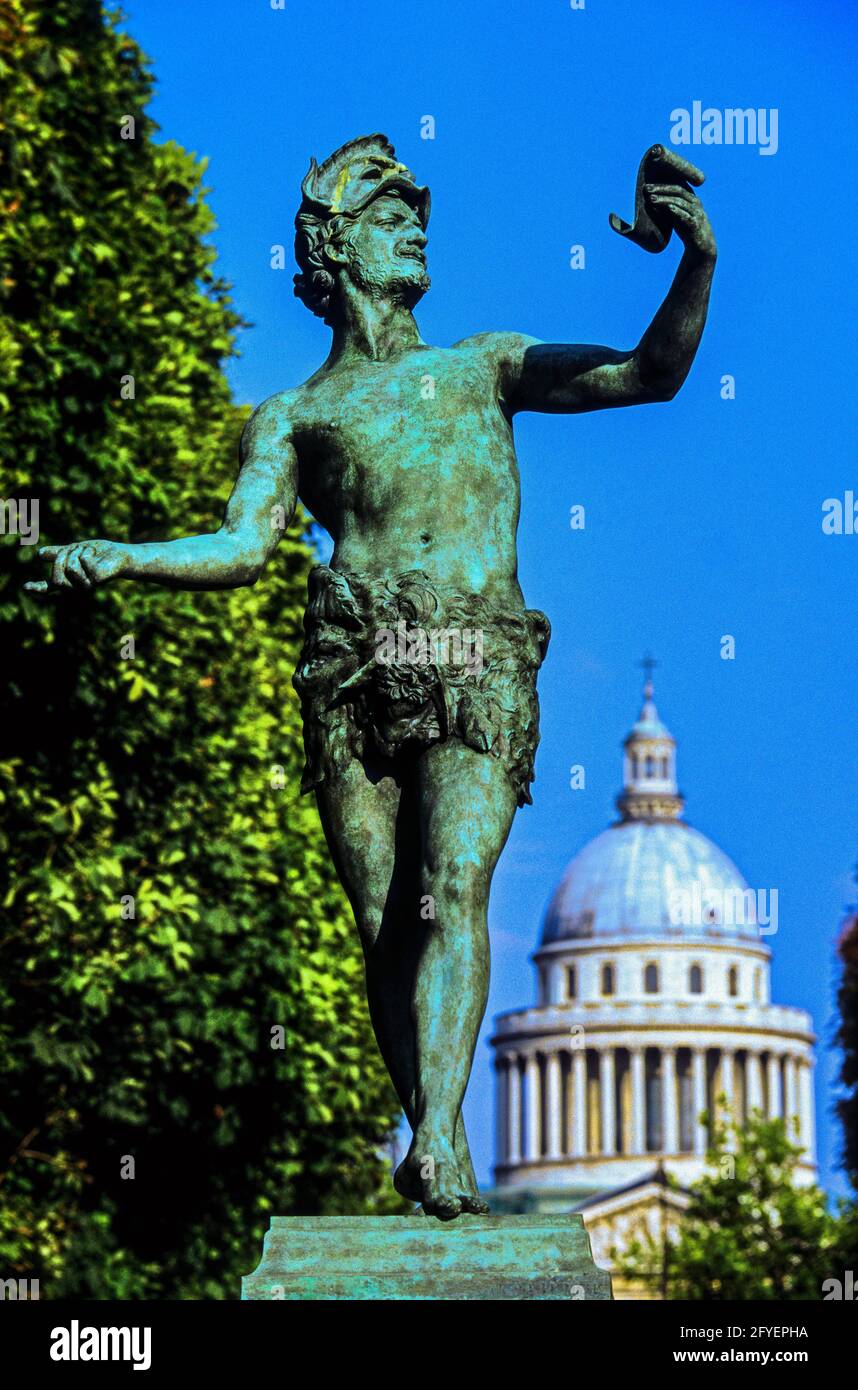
570,378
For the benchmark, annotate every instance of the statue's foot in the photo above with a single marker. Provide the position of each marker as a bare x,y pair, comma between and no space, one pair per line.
474,1204
429,1174
469,1192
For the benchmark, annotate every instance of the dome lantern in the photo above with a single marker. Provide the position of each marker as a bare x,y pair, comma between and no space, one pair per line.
649,791
637,878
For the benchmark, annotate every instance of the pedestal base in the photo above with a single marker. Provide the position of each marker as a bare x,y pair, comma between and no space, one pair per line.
418,1257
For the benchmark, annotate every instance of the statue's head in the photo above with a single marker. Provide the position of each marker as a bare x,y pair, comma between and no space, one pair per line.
362,218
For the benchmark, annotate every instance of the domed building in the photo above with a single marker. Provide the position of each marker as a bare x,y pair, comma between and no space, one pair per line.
653,1002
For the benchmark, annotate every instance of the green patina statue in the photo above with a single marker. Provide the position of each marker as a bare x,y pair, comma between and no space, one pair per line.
418,673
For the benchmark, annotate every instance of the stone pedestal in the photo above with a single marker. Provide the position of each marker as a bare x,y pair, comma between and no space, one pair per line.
417,1257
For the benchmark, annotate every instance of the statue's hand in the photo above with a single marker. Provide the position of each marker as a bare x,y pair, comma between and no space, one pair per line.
82,565
686,215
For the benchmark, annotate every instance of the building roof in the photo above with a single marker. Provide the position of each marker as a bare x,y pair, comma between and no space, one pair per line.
657,1177
651,878
651,874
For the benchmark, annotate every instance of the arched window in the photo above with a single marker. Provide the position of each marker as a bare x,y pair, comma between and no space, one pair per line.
733,981
607,979
635,765
664,768
571,982
649,766
651,979
695,981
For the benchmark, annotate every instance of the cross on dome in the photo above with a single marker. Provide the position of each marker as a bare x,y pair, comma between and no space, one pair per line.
648,664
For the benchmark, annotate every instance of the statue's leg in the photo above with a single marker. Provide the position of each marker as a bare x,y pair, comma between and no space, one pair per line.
377,860
466,809
373,832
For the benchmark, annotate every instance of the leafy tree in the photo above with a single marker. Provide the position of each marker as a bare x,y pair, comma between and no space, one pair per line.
847,1105
749,1232
847,1039
168,897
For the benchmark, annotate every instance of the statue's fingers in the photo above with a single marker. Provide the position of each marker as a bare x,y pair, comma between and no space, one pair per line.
89,564
671,200
58,573
682,214
37,586
674,190
679,210
75,572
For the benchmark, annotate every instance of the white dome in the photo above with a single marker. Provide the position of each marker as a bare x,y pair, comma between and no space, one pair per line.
653,1010
645,878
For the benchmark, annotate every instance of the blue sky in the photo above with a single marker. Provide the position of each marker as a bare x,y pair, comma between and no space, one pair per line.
704,515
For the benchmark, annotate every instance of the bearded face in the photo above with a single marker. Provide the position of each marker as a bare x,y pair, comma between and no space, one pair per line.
383,251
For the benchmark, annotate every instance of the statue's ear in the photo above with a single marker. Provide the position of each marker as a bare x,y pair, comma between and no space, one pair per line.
335,253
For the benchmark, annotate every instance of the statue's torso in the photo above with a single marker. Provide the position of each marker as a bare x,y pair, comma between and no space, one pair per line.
410,464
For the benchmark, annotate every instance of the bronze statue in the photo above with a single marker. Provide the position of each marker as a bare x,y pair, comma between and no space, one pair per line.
418,673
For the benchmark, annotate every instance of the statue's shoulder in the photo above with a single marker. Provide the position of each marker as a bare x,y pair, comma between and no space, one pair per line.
499,348
268,428
274,414
501,354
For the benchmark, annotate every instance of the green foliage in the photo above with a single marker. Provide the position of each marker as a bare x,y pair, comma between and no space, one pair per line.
847,1039
749,1233
149,778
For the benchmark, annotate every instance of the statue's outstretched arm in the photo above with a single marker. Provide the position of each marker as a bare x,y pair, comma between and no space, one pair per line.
568,378
260,507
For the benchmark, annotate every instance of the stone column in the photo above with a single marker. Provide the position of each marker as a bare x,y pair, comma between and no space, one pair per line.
513,1109
638,1085
607,1099
790,1095
774,1079
569,1102
754,1081
532,1107
727,1078
805,1085
501,1118
698,1089
579,1102
728,1089
553,1103
670,1134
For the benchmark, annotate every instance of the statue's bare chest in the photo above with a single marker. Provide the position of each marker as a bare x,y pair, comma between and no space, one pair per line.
429,416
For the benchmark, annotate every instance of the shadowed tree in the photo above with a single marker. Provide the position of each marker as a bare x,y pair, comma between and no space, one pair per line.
847,1039
168,903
